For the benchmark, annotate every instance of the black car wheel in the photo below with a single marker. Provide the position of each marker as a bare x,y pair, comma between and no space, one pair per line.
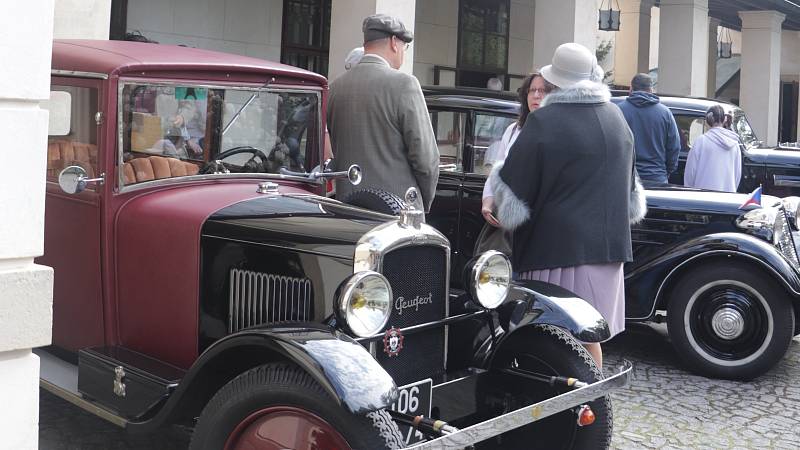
375,200
281,406
550,350
729,321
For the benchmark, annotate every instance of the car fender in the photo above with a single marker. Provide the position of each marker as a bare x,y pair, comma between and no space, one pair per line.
531,303
670,264
344,369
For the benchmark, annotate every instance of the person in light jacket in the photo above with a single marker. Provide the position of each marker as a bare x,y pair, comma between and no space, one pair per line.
566,189
377,118
714,162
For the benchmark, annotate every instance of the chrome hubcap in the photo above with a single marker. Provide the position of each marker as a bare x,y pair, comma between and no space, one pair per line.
727,323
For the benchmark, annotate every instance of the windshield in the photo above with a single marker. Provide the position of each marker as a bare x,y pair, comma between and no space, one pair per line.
742,127
173,131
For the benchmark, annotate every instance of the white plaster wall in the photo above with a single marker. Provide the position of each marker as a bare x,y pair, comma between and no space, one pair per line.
244,27
561,21
790,55
82,19
347,17
26,33
436,35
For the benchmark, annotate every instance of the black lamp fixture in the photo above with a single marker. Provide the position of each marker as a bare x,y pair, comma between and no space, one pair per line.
725,44
609,18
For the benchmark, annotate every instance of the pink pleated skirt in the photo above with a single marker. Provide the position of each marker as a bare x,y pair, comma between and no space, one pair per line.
601,285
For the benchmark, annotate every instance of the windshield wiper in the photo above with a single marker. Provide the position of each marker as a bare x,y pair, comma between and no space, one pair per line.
246,104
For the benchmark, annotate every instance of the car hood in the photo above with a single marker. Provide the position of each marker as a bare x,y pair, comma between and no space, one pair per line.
701,201
305,223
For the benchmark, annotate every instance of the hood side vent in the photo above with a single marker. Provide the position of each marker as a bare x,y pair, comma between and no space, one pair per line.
259,298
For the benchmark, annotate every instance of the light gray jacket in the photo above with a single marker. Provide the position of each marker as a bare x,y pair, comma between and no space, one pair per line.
377,119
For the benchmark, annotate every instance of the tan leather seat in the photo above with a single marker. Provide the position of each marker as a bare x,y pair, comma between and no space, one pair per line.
63,153
151,168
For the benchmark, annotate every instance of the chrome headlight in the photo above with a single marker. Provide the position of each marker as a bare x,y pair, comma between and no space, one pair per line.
364,302
760,222
792,206
782,237
491,278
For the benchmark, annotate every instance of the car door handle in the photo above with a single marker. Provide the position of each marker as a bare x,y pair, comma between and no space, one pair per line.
786,180
448,166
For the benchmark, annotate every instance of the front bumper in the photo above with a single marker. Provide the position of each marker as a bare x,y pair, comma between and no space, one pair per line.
528,414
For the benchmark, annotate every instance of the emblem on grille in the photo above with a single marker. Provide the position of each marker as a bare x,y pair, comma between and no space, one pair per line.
392,341
401,303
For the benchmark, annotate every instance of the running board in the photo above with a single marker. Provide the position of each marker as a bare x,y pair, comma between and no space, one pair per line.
60,378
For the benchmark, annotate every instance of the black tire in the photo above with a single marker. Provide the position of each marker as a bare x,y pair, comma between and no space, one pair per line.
734,293
375,200
550,350
288,385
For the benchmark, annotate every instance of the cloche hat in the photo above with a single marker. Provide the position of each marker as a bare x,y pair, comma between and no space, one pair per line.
572,63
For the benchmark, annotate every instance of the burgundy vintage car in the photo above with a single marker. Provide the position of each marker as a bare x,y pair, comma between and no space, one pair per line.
202,278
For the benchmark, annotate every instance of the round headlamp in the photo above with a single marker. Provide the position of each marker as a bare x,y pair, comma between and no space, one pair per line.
491,278
364,302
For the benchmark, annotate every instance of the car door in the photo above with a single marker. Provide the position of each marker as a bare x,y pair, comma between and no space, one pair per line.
482,148
72,242
450,128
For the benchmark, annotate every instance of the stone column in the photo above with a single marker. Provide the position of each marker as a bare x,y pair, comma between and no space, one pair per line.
26,289
713,56
760,77
683,47
560,21
632,45
346,34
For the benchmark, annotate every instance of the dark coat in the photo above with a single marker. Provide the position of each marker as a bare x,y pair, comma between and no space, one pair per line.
566,184
655,136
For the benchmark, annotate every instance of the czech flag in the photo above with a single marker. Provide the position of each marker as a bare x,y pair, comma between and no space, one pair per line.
753,199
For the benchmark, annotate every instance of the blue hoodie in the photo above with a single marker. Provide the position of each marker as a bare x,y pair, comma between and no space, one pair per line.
655,136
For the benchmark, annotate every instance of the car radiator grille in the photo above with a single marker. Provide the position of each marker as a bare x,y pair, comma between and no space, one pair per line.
416,272
258,298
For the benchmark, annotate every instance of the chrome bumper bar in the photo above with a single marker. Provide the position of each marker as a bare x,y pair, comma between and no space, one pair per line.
528,414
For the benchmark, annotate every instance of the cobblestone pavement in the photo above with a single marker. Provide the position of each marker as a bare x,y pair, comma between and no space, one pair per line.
665,407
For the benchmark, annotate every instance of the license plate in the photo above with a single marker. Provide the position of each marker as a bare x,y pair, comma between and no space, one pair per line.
414,400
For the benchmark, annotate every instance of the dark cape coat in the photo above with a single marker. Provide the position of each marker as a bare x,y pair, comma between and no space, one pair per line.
567,187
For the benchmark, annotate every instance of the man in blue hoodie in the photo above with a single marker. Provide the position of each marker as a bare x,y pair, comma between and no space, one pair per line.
655,133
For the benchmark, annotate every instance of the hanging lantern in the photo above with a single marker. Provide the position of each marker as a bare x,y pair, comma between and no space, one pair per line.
725,44
609,18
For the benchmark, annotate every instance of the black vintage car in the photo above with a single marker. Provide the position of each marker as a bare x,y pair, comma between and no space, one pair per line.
727,280
202,280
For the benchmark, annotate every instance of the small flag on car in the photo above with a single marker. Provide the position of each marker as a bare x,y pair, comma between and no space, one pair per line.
753,199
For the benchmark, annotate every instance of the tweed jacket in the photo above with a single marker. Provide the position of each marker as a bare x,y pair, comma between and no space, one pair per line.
566,185
377,119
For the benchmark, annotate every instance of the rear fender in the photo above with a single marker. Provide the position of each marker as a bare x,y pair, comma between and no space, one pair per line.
344,369
531,303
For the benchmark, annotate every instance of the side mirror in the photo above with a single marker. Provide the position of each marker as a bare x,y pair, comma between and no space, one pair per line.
354,174
73,179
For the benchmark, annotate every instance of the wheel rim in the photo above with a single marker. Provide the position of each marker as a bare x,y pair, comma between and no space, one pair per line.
728,323
281,427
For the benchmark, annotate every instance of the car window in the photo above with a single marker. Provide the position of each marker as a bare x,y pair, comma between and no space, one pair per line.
488,148
742,127
79,146
172,131
690,128
449,129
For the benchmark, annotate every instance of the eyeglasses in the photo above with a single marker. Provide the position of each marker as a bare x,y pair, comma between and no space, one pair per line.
540,91
406,45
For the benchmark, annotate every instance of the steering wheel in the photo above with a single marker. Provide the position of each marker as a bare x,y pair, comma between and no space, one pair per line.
242,149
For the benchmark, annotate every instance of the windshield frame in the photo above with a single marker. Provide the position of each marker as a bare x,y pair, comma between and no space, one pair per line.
121,187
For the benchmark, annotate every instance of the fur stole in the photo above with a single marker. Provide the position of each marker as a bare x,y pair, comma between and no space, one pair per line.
581,92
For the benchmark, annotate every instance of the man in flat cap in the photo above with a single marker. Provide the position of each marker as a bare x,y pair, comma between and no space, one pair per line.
377,118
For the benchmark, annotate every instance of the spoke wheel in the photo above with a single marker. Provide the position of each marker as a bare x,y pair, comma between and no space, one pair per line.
729,321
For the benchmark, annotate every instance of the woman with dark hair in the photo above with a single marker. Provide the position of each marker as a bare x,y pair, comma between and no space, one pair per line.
714,162
530,94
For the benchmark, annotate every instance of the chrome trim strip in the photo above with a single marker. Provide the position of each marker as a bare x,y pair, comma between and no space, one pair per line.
384,238
786,180
425,326
713,252
528,414
78,73
78,401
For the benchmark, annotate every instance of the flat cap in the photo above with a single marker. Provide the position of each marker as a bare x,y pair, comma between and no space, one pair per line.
380,26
